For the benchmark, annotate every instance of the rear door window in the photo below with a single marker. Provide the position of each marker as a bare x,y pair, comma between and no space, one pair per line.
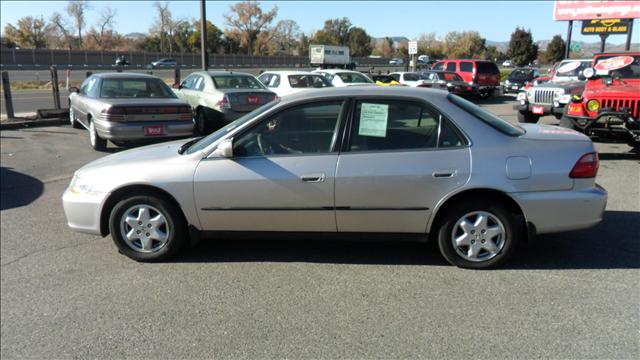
466,66
387,125
451,66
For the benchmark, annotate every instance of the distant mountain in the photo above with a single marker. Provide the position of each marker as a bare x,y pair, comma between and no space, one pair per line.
135,36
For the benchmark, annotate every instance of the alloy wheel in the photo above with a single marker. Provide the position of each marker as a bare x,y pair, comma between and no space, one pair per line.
478,236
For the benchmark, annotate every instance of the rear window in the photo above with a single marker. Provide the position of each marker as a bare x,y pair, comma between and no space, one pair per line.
486,67
308,81
135,88
486,117
236,82
352,78
411,77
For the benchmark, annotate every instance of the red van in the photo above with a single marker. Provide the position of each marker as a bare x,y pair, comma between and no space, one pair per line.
484,74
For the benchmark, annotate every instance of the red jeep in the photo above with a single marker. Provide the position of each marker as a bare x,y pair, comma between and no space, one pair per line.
480,73
609,107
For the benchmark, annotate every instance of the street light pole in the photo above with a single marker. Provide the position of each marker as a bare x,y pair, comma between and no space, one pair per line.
203,36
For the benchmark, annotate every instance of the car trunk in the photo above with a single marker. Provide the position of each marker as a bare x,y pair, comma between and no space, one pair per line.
152,110
245,101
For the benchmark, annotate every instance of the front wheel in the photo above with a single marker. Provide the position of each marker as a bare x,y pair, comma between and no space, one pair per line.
527,117
147,228
478,235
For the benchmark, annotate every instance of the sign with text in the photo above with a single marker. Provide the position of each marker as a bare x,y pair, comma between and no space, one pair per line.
413,47
373,120
605,26
587,10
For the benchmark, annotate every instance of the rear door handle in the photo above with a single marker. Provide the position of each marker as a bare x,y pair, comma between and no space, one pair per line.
315,178
444,173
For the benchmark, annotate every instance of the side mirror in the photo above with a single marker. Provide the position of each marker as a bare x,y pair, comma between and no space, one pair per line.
224,149
74,89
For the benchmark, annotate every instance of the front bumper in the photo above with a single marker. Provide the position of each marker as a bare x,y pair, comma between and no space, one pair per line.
512,88
546,109
83,211
557,211
124,131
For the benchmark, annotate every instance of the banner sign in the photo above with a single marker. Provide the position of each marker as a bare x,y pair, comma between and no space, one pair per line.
588,10
605,26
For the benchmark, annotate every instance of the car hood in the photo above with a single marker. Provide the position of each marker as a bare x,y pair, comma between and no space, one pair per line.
567,85
150,154
551,133
619,88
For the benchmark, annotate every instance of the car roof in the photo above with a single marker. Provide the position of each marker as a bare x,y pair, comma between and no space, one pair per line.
572,60
220,73
357,91
335,71
130,75
290,72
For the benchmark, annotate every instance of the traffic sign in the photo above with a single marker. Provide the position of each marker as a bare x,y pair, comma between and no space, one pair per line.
413,47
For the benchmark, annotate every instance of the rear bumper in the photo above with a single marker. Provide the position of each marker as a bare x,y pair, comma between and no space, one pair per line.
124,131
558,211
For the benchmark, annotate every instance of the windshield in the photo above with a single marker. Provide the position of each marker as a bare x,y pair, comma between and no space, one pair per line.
486,117
308,81
521,74
572,68
135,88
631,71
236,82
351,78
412,77
215,136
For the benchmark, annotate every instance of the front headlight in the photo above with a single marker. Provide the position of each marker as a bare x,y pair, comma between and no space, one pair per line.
565,99
507,82
81,186
593,105
558,93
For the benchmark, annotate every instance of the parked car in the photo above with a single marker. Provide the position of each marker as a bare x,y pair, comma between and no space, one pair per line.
507,64
342,78
285,83
219,97
126,108
385,80
412,79
518,79
396,61
163,63
550,98
449,81
484,74
121,61
609,107
350,160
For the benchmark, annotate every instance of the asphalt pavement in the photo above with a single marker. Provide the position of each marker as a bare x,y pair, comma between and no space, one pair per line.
70,295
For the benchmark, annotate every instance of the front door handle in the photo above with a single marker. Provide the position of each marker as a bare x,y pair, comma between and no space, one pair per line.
315,178
444,173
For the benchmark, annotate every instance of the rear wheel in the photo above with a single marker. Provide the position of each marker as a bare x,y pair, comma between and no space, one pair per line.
527,117
201,122
147,228
478,235
96,142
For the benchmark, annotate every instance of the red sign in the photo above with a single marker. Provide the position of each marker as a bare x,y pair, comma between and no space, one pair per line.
588,10
253,100
614,63
154,130
537,109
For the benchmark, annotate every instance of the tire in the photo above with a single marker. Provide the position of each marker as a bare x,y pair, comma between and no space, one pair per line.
507,230
72,119
565,122
96,142
527,117
161,233
202,125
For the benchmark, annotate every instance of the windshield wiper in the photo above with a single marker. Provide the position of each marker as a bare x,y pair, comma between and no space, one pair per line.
188,144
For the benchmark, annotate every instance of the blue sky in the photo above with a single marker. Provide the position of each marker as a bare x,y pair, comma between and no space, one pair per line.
495,20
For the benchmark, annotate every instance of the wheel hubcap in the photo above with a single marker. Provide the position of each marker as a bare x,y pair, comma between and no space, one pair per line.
144,228
478,236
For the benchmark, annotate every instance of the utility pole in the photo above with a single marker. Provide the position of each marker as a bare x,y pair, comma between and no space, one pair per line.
627,45
203,36
566,50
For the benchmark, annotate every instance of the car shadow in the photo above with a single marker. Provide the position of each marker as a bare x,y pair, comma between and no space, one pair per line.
632,154
611,245
18,189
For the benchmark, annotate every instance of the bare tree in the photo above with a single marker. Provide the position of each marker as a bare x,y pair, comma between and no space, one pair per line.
106,22
286,34
248,20
57,27
77,10
163,21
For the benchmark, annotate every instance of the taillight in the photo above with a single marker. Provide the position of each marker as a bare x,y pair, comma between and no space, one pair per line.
114,111
586,167
224,103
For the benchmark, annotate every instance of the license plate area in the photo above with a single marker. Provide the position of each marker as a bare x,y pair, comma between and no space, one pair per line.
253,100
157,130
537,109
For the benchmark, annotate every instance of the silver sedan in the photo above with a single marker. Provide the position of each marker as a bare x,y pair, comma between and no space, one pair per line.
399,161
128,107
